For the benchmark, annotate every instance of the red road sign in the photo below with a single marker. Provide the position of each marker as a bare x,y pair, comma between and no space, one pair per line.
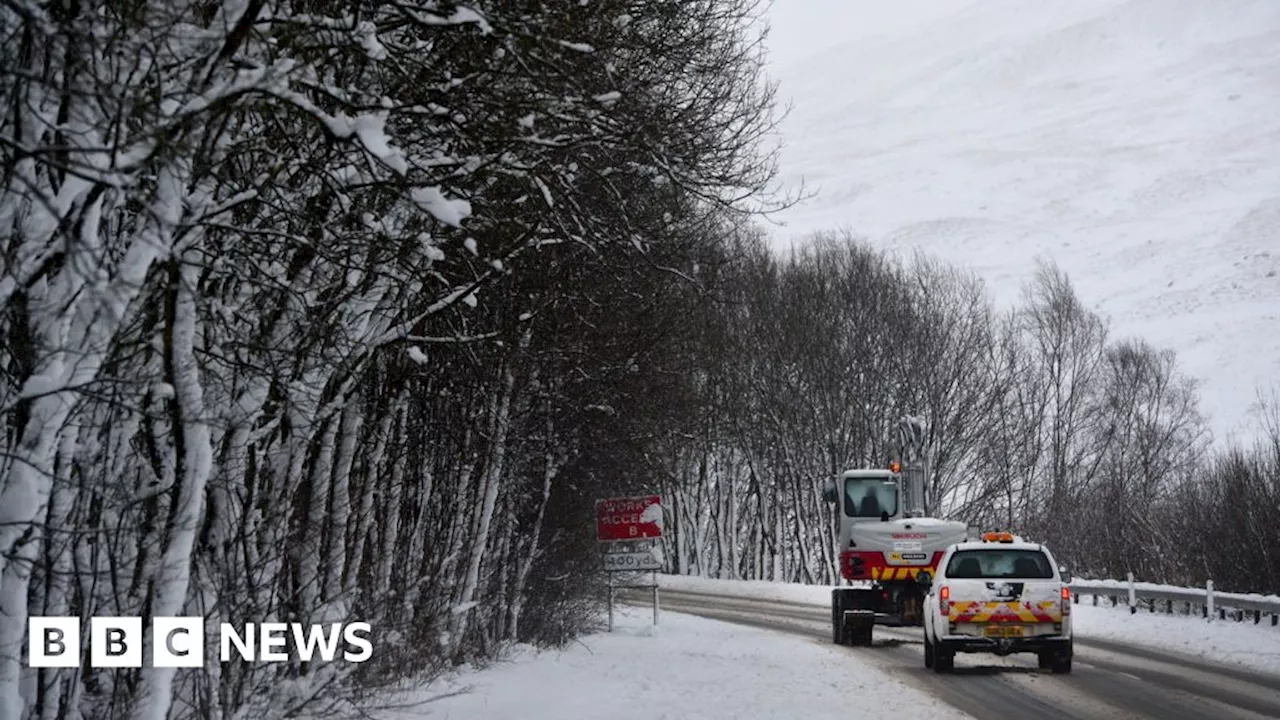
628,518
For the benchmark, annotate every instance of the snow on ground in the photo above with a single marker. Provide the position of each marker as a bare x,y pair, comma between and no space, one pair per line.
753,589
1134,142
1242,644
1245,645
687,668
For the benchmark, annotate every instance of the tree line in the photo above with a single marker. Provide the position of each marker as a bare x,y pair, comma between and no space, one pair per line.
1039,420
324,311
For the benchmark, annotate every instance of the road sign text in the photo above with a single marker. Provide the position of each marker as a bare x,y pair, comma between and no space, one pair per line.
628,518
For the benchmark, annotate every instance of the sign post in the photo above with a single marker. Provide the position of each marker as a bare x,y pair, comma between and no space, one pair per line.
630,534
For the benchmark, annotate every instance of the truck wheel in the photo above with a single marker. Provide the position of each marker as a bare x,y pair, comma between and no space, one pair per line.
837,617
1060,662
858,634
943,661
1045,659
865,638
928,652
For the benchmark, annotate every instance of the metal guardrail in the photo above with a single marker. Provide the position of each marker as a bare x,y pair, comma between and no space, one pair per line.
1204,601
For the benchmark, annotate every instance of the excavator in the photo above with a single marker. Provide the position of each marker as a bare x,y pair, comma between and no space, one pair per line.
886,538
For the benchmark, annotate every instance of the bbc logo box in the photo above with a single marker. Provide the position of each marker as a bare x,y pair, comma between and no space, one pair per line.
115,642
179,642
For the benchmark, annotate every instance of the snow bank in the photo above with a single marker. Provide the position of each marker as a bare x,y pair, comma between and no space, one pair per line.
1244,645
688,667
753,589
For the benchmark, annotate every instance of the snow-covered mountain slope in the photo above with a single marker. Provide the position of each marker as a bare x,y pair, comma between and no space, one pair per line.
1134,142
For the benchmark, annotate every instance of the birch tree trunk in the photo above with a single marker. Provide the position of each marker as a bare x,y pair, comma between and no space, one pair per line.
364,513
334,563
493,476
84,329
532,551
194,454
53,682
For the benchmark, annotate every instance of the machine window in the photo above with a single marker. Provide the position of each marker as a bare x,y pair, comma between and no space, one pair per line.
869,497
998,564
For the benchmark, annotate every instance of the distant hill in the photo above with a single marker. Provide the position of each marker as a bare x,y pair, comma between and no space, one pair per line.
1136,143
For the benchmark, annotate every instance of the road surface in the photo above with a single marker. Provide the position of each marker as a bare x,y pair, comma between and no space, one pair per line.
1108,680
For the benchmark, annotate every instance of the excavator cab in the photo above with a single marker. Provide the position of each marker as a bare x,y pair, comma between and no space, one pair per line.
879,483
870,495
886,537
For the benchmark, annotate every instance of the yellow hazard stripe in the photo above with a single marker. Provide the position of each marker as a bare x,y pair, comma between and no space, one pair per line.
974,611
897,573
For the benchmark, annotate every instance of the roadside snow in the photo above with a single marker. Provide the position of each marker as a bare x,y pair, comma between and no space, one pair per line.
1223,598
752,589
1242,644
688,667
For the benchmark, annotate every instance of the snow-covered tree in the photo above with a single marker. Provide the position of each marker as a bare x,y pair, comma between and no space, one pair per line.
305,306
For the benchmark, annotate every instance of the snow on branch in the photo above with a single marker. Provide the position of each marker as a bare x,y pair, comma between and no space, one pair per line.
576,46
462,15
448,211
448,340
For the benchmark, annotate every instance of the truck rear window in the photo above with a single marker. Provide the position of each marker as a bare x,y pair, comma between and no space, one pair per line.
999,564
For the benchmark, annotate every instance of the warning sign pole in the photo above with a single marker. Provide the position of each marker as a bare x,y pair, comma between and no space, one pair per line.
610,574
655,597
630,535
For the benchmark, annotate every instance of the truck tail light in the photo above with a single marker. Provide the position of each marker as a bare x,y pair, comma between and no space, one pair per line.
944,600
1066,600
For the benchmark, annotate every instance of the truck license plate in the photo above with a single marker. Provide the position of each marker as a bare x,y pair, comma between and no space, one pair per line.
1003,631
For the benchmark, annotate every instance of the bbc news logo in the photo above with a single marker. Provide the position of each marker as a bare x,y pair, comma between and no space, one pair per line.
178,642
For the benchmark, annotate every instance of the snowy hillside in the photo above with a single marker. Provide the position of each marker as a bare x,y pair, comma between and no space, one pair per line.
1134,142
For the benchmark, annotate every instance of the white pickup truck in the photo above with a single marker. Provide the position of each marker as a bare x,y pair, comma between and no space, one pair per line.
998,595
